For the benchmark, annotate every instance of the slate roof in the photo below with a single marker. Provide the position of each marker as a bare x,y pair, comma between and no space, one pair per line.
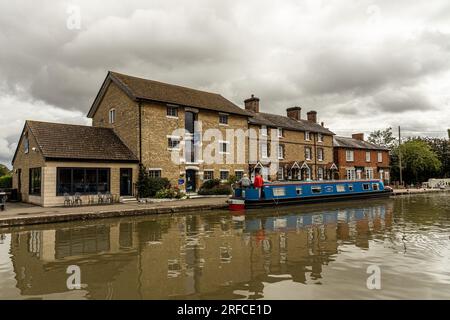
66,141
275,120
144,89
345,142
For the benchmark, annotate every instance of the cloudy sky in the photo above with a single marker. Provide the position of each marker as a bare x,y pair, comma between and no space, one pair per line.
363,65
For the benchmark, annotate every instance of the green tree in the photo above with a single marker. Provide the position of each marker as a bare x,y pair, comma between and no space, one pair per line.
419,161
4,170
383,138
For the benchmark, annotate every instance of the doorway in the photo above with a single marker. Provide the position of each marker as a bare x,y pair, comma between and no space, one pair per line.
190,180
126,181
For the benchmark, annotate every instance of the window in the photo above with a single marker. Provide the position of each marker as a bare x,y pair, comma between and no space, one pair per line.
375,186
223,118
319,137
264,150
154,173
238,174
350,187
280,173
308,153
26,144
189,121
280,132
380,156
367,156
320,173
82,180
280,151
172,111
208,175
112,115
279,192
351,174
340,188
35,182
366,186
263,130
224,175
223,147
316,189
298,190
173,143
369,173
307,135
320,154
358,174
349,155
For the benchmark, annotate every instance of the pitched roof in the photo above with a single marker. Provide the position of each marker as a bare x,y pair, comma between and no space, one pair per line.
345,142
275,120
139,88
66,141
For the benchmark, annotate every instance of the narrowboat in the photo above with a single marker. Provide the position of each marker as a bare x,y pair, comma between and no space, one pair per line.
283,193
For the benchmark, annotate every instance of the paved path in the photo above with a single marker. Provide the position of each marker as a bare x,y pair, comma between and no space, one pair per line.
25,214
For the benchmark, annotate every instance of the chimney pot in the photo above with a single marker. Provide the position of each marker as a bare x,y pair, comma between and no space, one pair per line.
312,116
252,104
294,113
358,136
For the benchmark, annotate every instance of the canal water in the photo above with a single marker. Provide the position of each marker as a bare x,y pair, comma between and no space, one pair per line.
393,248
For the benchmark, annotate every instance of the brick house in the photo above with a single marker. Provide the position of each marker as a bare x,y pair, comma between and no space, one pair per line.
359,159
305,148
145,114
52,159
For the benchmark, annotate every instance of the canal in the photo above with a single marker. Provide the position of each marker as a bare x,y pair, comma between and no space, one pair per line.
393,248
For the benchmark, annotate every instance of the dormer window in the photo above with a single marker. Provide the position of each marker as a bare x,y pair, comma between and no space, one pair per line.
112,116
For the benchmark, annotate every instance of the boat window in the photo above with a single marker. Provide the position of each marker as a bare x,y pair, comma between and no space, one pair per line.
366,186
279,192
375,186
316,189
350,187
298,190
340,188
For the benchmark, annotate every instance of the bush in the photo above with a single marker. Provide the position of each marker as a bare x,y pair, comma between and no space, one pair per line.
217,190
6,182
148,187
169,193
209,184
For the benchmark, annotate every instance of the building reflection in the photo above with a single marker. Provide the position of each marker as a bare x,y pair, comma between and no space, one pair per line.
192,256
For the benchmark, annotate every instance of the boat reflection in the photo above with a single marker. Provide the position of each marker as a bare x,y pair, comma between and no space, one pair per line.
217,255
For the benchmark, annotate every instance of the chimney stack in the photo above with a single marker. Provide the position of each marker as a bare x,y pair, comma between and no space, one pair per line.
312,116
358,136
322,124
252,104
294,113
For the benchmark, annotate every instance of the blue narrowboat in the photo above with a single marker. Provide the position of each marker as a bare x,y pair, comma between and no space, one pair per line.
280,193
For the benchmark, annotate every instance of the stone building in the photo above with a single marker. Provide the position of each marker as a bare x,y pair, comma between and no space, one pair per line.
359,159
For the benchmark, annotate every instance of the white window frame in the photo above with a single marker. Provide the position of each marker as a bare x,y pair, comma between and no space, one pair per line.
226,115
349,155
172,107
209,171
380,156
320,154
367,156
239,170
222,143
280,132
112,115
369,173
350,174
264,131
280,152
308,156
280,170
320,173
220,174
319,137
307,136
264,150
154,169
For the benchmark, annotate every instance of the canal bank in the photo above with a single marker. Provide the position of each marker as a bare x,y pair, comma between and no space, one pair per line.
19,214
401,192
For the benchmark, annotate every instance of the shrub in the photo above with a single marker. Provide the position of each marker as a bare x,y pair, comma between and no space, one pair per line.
6,182
232,179
217,190
148,187
209,184
169,193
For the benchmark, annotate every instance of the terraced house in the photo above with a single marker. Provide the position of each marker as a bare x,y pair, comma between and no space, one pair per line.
304,150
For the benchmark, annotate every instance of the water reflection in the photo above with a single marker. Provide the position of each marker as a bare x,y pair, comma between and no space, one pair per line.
217,255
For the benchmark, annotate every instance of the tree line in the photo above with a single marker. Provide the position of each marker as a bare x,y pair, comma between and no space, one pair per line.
422,157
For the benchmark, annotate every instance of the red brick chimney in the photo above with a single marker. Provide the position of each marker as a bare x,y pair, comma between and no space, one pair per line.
252,104
358,136
312,116
294,113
